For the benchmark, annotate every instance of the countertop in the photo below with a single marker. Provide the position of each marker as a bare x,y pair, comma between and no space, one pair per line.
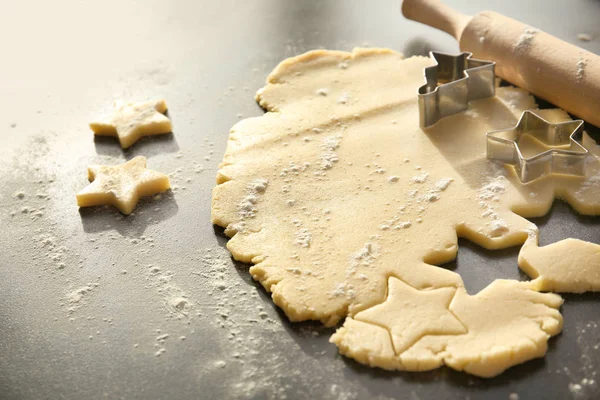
95,305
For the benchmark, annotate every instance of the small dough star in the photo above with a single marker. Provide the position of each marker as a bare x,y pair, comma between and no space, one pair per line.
131,121
409,314
122,185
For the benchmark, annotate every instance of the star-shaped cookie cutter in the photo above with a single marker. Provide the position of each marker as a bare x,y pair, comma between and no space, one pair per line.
452,83
503,146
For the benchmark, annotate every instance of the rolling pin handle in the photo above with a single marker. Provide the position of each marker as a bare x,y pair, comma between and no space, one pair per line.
435,14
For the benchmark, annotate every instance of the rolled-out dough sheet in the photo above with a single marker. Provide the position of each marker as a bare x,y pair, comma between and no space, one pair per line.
345,207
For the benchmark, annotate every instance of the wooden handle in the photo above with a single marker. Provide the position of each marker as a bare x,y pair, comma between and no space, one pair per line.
437,15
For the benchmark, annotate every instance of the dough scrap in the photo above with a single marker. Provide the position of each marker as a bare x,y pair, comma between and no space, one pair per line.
122,185
336,190
508,323
132,121
570,265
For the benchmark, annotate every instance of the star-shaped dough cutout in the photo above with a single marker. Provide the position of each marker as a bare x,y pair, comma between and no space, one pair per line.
131,121
122,185
409,314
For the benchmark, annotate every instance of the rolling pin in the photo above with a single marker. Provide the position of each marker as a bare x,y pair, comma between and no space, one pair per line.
559,72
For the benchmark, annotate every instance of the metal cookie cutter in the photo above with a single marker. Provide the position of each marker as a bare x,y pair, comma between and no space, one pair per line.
503,145
451,84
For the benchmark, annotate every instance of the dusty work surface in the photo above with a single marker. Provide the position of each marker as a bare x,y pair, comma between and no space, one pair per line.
95,305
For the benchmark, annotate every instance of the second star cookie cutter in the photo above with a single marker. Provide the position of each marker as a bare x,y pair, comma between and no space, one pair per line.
503,146
452,83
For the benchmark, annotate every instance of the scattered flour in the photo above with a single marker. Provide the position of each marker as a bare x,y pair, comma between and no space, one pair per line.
584,37
492,189
433,194
343,289
364,257
175,300
344,98
420,178
575,388
525,39
491,192
339,289
294,169
302,238
328,155
78,294
76,298
247,207
581,64
55,252
591,183
483,35
431,197
443,183
499,227
241,318
403,225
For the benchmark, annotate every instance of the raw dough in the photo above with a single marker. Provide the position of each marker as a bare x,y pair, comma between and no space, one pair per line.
409,314
336,191
122,185
131,121
570,265
508,323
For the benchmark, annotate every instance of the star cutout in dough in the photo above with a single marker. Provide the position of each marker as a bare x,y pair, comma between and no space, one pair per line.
410,314
131,121
121,186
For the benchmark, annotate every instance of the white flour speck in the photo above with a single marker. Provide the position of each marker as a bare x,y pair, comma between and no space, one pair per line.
443,184
344,98
403,225
363,257
584,37
302,238
525,39
575,388
499,227
420,178
490,190
247,207
591,183
581,64
329,156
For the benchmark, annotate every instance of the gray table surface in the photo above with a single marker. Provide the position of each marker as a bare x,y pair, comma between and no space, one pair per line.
63,63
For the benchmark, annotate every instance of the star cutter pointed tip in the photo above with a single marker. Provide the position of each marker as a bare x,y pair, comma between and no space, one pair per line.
503,146
452,83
